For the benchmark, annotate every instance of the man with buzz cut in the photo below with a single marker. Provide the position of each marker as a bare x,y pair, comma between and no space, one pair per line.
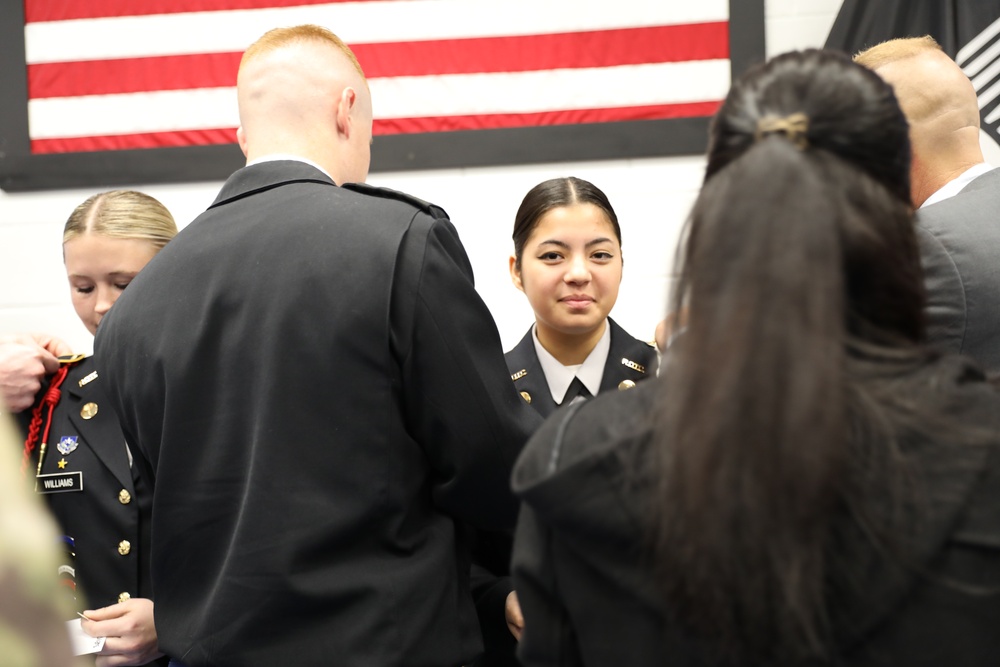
319,393
956,194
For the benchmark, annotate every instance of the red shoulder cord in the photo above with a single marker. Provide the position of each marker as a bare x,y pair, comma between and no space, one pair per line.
50,399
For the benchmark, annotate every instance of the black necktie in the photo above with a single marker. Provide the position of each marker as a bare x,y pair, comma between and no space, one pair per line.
576,388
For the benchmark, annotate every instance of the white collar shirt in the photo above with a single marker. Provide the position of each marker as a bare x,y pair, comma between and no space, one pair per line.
956,185
590,372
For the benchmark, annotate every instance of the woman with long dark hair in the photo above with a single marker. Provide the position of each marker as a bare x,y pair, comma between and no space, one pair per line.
806,483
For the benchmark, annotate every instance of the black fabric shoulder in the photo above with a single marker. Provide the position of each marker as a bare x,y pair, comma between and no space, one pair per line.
388,193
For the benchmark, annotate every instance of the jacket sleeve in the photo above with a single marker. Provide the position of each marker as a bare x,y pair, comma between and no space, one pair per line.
458,400
548,638
946,308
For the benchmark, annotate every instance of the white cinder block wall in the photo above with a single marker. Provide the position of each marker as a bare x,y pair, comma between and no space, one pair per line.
652,198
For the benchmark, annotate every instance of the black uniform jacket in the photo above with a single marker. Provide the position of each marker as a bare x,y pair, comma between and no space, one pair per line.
629,361
321,395
98,500
585,576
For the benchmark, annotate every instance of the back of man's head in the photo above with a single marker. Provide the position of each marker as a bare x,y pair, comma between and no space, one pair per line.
940,104
301,91
282,37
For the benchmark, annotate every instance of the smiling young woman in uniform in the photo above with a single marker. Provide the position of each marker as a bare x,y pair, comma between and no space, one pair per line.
568,262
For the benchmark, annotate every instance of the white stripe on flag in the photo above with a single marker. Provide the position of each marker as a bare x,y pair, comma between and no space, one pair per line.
354,22
397,97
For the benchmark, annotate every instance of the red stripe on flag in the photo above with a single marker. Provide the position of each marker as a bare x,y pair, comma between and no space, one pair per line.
62,10
120,142
603,48
132,75
387,127
545,118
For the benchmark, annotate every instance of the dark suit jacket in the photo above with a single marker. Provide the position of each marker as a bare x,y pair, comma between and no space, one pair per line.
109,513
526,371
320,393
587,582
960,252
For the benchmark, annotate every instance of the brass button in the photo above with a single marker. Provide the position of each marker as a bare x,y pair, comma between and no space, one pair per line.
526,396
124,547
124,596
124,497
88,411
625,384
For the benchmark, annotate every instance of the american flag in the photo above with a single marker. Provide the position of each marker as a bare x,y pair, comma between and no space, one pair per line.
112,77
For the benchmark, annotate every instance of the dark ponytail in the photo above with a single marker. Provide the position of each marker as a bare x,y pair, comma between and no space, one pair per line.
784,265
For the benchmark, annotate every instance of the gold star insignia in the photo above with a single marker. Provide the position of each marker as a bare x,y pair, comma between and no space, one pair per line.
62,463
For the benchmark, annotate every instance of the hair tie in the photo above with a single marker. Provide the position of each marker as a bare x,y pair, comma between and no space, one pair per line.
793,127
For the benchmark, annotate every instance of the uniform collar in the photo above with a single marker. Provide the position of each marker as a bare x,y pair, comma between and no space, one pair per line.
296,158
590,372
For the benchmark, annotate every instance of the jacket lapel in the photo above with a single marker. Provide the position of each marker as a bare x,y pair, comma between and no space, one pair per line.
526,372
101,432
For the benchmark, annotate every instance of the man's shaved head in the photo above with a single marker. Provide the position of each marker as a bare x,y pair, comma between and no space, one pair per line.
940,104
302,91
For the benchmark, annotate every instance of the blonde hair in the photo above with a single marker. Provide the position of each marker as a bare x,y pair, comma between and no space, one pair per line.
122,214
272,40
896,49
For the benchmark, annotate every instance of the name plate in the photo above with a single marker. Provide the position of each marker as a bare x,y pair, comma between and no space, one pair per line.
59,482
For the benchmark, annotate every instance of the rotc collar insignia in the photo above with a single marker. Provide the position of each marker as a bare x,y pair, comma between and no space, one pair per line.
90,377
518,375
628,363
68,444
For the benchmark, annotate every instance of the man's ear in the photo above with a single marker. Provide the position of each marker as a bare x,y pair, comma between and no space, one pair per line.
345,106
241,139
515,273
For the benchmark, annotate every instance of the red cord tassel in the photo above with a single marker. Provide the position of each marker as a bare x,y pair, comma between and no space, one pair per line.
49,400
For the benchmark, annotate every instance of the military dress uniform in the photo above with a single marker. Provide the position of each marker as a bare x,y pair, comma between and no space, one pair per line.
101,503
310,495
630,360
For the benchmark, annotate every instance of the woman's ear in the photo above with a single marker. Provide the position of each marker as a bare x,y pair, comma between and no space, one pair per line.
515,273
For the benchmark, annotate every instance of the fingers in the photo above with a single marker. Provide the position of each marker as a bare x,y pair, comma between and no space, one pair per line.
22,369
106,613
57,347
129,629
512,610
49,361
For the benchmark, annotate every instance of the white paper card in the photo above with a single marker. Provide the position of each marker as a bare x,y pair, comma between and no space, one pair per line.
82,642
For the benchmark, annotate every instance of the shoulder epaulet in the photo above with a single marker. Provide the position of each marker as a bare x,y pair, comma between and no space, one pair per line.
69,359
389,193
651,343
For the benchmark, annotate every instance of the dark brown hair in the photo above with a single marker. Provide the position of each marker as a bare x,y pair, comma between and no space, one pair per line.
800,252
